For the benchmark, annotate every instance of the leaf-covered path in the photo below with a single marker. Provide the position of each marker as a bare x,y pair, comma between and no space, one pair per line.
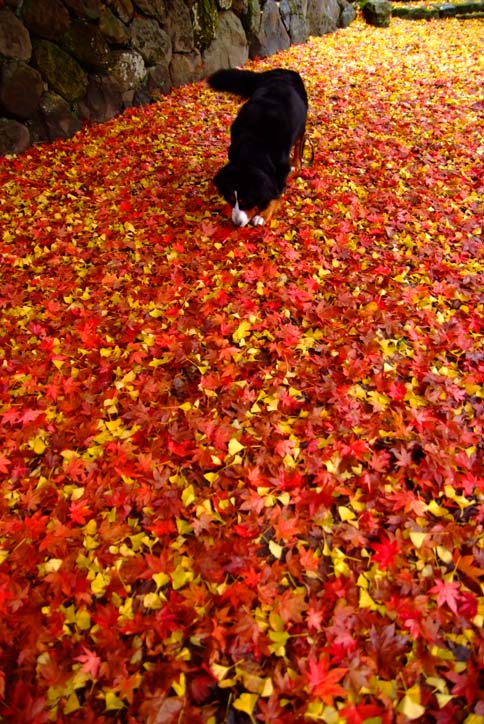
242,469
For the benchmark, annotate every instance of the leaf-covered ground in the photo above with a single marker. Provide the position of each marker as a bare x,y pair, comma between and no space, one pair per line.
242,469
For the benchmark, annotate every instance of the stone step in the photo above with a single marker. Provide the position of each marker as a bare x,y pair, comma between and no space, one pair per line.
463,10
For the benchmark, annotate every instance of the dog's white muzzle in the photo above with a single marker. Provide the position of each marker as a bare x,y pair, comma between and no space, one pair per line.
239,217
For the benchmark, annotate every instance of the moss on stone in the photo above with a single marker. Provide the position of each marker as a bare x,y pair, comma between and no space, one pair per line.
205,22
426,12
60,70
251,18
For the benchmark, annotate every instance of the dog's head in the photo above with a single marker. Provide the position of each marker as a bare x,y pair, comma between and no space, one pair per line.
247,189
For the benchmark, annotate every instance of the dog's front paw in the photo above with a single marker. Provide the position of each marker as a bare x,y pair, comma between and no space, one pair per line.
257,220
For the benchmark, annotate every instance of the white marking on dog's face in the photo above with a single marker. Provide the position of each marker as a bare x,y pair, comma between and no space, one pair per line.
239,217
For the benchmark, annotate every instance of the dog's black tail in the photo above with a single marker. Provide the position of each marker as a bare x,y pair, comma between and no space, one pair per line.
241,82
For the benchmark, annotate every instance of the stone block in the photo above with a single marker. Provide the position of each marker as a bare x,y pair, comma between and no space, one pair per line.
205,22
158,80
293,15
152,8
178,24
14,137
348,13
63,74
47,18
186,68
323,16
229,48
58,117
272,36
128,69
89,9
14,37
150,41
21,87
122,8
113,29
377,13
102,100
87,44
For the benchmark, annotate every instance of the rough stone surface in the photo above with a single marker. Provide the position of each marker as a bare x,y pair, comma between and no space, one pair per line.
377,12
152,8
14,37
178,24
272,35
128,69
250,16
59,120
20,89
150,41
48,19
14,137
205,21
186,68
158,80
87,44
348,13
122,8
60,70
229,48
103,99
66,61
323,16
89,9
293,15
112,28
462,10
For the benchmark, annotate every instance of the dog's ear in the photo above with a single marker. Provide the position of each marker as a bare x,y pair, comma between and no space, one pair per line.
222,177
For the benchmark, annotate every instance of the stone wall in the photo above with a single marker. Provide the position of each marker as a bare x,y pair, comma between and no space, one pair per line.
63,62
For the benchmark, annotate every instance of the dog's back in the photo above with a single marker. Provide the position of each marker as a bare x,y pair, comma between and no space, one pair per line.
275,113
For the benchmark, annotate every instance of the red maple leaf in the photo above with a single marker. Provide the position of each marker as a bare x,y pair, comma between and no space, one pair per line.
255,477
90,662
79,511
315,618
162,527
30,416
4,463
285,447
10,416
246,530
385,552
403,458
323,680
359,713
447,592
467,684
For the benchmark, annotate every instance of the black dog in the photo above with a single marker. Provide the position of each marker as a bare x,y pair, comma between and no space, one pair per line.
269,125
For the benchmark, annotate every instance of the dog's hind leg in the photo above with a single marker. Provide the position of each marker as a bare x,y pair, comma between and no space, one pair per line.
266,214
299,150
